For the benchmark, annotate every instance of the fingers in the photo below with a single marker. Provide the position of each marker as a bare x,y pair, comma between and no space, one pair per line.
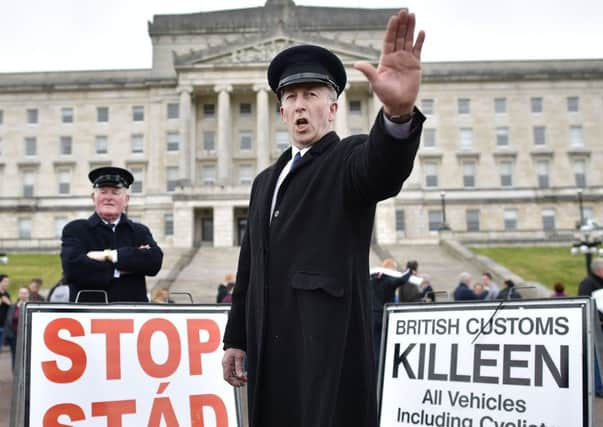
232,367
416,51
409,33
389,40
367,69
401,29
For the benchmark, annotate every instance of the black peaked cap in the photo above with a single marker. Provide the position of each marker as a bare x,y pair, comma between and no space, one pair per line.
110,176
306,64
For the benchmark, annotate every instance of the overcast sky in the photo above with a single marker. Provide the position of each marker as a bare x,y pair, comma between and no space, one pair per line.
48,35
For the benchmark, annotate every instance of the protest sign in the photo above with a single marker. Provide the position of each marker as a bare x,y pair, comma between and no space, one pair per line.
126,365
487,364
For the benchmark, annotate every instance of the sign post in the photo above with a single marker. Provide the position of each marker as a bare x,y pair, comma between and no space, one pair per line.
487,364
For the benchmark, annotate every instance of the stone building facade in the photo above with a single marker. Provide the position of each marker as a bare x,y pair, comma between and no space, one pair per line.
506,148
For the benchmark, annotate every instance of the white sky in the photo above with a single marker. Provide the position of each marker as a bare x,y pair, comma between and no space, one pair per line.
47,35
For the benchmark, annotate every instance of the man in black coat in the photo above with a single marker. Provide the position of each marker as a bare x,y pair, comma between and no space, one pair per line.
384,282
301,307
108,252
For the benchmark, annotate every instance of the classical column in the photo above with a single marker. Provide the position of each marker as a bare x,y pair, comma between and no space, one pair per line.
223,226
341,122
224,136
153,142
262,126
185,133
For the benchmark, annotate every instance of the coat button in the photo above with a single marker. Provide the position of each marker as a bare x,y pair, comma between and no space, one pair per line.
276,213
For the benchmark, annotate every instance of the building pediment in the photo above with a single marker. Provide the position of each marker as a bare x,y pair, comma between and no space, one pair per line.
254,50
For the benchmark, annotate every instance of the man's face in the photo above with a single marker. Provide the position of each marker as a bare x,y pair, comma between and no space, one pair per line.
110,202
34,287
308,111
4,283
485,279
23,294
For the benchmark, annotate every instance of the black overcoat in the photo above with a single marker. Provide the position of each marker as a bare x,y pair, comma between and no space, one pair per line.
302,305
82,273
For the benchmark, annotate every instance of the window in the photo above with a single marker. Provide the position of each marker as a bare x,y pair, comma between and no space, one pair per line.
209,140
101,144
281,140
209,110
510,218
32,116
464,105
573,104
427,106
400,220
173,141
548,219
536,105
64,176
429,138
244,109
24,228
500,105
102,114
542,170
580,173
1,117
67,115
137,143
28,183
245,174
502,136
469,174
539,135
431,174
171,177
138,184
505,170
65,145
168,225
138,113
245,137
208,175
173,111
31,146
355,107
466,138
59,223
576,137
435,220
472,219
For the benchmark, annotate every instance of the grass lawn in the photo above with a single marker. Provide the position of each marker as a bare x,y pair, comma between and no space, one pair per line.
22,267
546,265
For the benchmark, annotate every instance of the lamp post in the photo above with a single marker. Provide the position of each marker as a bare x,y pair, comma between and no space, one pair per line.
444,225
581,207
588,238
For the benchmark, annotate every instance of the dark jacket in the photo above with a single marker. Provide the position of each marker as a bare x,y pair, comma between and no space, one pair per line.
384,289
463,293
302,302
590,284
92,234
509,293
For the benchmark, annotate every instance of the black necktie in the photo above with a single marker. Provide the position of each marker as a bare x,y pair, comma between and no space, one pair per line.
296,161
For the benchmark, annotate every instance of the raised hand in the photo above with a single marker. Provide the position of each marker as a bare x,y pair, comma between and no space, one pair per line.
397,79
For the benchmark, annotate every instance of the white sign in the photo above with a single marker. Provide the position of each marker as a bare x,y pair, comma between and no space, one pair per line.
127,366
463,365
